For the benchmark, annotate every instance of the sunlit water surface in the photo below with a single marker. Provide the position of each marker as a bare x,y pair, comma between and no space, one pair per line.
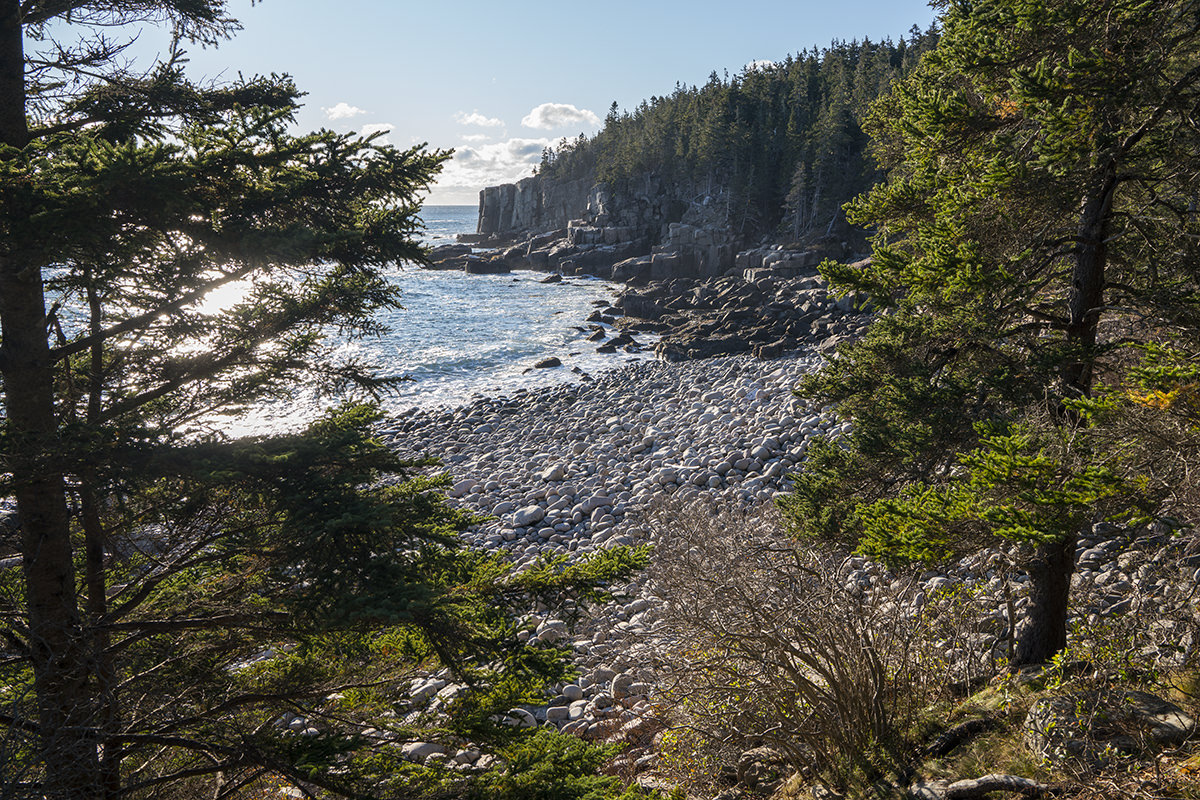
462,336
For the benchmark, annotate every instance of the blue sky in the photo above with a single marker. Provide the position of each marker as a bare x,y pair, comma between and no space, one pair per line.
498,81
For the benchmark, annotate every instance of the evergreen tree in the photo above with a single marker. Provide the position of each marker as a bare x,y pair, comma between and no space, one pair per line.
750,137
180,592
1038,213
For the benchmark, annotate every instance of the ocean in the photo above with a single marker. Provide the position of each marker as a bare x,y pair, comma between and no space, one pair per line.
462,336
443,223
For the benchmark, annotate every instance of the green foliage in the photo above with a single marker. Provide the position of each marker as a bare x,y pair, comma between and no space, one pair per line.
296,579
1028,229
547,766
185,595
1011,487
784,142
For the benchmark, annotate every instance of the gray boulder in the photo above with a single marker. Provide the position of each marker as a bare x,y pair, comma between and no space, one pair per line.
528,515
1095,726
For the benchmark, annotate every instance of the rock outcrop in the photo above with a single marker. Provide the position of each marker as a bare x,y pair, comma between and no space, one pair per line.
701,319
532,204
639,233
575,227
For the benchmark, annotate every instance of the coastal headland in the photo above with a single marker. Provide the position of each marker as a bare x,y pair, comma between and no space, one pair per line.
692,281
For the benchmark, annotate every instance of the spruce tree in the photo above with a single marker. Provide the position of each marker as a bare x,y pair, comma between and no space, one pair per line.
1039,213
179,591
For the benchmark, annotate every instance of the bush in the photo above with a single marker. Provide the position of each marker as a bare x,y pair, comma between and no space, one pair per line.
766,644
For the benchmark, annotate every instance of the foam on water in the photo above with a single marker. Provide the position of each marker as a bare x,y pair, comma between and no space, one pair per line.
460,336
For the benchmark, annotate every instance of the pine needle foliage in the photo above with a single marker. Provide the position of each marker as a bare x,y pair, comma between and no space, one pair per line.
1037,226
184,599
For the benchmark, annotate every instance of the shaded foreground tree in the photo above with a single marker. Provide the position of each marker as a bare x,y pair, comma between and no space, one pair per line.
1037,234
178,594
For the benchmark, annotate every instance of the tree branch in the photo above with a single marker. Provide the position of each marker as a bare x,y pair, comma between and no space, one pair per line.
141,320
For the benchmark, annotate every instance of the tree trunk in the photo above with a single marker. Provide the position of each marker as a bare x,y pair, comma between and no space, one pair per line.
1086,298
59,650
14,130
1044,630
58,646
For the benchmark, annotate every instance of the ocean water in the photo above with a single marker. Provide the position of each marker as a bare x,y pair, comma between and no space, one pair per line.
443,223
462,336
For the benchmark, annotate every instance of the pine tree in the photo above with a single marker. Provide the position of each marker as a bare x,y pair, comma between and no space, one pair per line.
179,591
1037,213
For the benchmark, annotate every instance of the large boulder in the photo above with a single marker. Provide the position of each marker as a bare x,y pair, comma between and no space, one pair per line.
684,348
447,251
636,305
448,256
631,268
664,266
528,515
1095,726
490,266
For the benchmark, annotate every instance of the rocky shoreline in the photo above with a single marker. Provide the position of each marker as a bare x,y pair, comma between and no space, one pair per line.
568,468
776,302
577,468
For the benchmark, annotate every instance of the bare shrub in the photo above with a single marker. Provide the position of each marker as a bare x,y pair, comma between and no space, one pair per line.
766,643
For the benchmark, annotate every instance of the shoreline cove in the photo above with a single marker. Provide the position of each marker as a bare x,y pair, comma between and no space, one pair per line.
633,430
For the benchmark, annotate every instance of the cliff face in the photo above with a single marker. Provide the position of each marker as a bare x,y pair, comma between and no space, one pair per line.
644,228
532,205
538,205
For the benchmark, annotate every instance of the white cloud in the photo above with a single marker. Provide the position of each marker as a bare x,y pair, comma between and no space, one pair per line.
474,167
343,111
548,116
760,64
475,137
475,118
378,127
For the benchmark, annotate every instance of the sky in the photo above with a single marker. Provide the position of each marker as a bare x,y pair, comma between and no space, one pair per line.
495,81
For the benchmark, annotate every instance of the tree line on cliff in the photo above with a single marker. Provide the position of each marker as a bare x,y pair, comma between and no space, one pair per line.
782,144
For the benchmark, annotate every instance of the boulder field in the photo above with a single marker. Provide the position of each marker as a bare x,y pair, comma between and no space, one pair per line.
577,468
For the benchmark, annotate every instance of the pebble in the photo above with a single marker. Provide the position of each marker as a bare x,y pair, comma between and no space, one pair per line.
571,469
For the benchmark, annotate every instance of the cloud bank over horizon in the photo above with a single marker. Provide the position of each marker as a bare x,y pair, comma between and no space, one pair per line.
478,163
474,167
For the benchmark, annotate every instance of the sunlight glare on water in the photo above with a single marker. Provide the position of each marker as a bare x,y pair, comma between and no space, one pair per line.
462,335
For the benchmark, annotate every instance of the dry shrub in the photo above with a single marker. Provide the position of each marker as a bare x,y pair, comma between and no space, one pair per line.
834,664
766,643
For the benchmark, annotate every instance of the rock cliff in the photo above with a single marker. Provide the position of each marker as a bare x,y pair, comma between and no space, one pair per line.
581,226
532,205
642,231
